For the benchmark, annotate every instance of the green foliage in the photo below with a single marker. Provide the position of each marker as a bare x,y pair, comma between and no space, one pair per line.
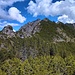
68,29
39,54
48,30
42,65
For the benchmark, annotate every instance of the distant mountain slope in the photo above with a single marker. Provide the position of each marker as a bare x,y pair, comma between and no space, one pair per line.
36,38
41,47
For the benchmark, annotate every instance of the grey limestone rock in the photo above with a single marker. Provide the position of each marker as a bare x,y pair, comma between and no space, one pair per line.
29,29
8,30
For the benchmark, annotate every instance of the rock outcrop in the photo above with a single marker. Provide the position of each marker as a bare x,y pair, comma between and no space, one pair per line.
29,29
8,30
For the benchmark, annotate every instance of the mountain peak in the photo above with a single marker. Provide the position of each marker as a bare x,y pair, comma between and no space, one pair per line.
46,19
8,30
29,28
8,27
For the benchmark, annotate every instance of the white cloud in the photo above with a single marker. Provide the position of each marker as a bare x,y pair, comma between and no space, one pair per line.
14,30
8,2
59,8
13,13
41,7
5,23
65,19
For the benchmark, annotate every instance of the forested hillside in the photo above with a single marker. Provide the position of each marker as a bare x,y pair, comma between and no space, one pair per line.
41,47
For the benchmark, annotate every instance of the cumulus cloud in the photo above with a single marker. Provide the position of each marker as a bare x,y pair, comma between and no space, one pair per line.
13,13
8,2
65,19
65,9
5,23
41,7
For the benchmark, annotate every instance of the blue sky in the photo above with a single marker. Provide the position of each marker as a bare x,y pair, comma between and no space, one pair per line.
20,12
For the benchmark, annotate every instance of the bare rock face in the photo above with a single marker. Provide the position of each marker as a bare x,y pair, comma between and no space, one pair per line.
29,29
8,30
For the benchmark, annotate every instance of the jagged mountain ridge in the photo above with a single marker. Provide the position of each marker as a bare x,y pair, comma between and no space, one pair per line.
31,28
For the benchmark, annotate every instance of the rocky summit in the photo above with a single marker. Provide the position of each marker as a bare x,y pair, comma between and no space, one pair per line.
8,30
29,29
